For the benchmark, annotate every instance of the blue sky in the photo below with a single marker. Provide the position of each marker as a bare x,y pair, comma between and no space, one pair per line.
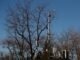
67,14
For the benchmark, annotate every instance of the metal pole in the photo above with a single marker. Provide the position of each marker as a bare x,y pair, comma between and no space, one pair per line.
49,21
48,32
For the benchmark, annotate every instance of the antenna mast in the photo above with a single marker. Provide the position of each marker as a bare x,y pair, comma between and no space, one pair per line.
49,22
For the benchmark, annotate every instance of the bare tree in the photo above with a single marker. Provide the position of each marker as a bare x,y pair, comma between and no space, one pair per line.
27,25
70,41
